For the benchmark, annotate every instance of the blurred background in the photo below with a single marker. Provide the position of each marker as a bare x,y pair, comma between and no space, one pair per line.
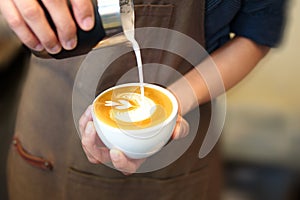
261,138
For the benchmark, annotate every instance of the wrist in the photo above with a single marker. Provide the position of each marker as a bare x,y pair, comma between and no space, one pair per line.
185,96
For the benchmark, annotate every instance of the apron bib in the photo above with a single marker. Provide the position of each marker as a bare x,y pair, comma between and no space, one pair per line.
47,160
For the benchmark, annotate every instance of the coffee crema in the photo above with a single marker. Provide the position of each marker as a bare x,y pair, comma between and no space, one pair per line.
125,107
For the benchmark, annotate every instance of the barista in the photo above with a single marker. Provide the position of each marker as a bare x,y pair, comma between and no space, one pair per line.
54,139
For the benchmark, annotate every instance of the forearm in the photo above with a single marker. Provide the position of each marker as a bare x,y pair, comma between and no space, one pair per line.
233,61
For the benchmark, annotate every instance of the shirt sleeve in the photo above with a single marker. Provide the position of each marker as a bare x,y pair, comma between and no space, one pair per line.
261,21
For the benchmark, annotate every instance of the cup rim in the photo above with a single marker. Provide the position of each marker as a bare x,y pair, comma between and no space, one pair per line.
134,133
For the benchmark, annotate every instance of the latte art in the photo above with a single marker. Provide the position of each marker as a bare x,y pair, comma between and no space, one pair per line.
127,108
131,107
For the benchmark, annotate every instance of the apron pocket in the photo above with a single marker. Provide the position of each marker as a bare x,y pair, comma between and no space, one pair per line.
151,15
146,15
84,185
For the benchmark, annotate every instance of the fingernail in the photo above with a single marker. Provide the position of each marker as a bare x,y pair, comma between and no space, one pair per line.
55,49
88,112
38,47
115,155
185,130
184,134
89,128
88,23
71,44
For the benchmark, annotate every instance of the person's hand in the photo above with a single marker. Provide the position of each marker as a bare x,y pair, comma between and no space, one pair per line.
97,152
27,19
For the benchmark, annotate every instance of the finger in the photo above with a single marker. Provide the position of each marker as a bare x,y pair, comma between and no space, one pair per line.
90,157
35,18
64,23
18,25
93,145
103,151
84,13
123,163
87,116
182,128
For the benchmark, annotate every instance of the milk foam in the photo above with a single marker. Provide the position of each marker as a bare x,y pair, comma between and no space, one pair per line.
125,111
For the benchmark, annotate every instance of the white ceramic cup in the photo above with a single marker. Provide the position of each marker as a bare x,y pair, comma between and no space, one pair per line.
138,143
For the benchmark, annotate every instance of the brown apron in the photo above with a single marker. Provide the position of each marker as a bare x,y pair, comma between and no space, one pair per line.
11,78
46,160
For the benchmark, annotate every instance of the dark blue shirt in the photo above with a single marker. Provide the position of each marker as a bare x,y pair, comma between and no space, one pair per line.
259,20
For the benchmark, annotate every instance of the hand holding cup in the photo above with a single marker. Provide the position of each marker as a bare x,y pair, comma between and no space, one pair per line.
128,150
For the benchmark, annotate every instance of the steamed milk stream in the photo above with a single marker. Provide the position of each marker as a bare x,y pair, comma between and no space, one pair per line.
127,18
